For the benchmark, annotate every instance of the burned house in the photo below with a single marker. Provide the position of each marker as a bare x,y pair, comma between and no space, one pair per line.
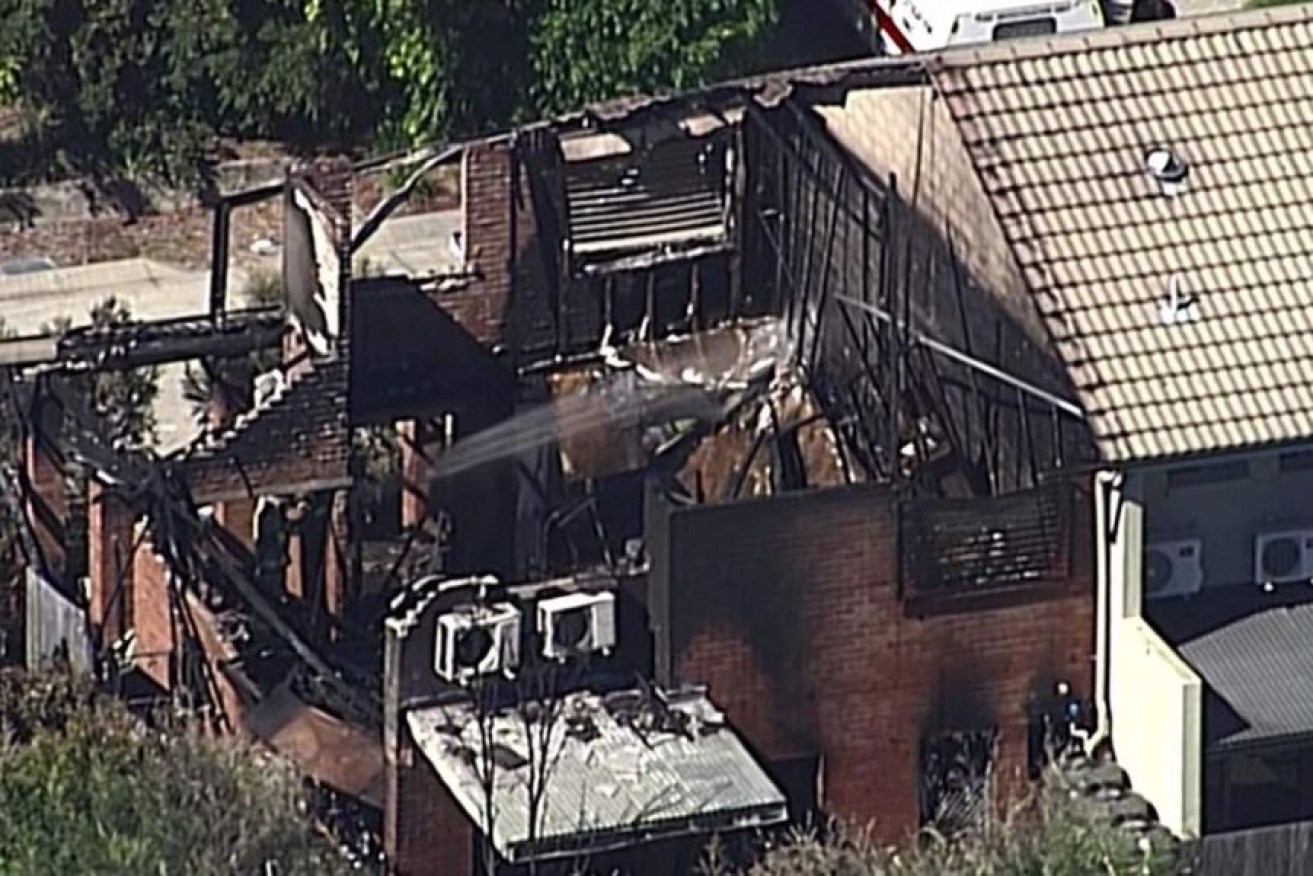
758,458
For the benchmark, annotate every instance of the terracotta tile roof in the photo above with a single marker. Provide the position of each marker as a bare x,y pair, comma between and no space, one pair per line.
1059,131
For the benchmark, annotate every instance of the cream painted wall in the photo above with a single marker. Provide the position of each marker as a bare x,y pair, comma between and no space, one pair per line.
1155,698
1157,724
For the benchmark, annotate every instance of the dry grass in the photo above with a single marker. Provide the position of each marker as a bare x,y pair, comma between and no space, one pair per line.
1054,836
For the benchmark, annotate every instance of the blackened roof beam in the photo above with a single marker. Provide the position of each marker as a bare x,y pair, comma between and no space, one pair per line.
139,344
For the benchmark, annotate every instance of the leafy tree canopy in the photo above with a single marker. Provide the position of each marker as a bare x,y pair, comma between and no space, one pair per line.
124,400
86,788
145,86
584,52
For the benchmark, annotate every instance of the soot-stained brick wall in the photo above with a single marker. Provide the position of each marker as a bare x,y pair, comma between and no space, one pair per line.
789,609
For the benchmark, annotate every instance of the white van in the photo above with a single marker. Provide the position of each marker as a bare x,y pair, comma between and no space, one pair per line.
899,27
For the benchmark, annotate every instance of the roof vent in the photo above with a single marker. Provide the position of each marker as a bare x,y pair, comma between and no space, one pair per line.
1177,308
1168,169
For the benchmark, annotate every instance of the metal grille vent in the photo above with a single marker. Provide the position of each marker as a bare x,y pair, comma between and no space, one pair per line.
953,546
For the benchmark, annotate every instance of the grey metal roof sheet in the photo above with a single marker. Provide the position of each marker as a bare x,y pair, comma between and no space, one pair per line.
601,791
1261,667
1058,131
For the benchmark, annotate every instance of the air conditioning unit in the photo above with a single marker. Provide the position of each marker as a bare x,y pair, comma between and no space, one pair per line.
577,623
1173,568
477,641
1284,556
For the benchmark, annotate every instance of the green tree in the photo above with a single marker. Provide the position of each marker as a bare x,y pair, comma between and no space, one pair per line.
219,389
123,400
85,788
590,50
146,86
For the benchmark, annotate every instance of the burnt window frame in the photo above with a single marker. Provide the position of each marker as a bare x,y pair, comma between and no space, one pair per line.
921,597
977,750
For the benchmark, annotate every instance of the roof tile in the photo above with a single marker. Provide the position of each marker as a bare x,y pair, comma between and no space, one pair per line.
1062,127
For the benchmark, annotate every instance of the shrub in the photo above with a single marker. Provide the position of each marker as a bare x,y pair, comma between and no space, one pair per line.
1054,836
86,788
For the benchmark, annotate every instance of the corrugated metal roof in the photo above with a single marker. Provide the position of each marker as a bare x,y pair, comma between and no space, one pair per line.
605,785
1261,666
1059,131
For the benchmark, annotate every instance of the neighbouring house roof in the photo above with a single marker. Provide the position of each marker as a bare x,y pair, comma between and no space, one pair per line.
619,770
1059,130
1260,669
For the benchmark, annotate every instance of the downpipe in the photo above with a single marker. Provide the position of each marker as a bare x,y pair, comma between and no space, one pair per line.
1105,483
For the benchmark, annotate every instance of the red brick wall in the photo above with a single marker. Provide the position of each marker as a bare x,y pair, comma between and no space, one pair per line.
426,831
109,547
152,616
501,249
788,608
47,507
480,306
230,705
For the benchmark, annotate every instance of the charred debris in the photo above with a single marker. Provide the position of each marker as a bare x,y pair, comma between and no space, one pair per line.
695,301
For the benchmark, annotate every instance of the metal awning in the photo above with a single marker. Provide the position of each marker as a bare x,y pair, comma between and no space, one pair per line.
1258,669
618,770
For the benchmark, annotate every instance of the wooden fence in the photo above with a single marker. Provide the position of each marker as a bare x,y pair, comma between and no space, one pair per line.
1285,850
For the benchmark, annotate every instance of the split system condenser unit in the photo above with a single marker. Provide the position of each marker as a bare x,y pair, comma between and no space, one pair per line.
1173,568
576,624
477,641
1283,556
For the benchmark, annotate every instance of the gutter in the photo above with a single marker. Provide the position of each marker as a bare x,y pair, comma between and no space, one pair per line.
1105,483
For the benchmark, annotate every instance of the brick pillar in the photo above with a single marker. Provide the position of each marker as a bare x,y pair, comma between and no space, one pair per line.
425,832
336,563
47,505
295,582
152,617
237,516
216,650
110,543
418,442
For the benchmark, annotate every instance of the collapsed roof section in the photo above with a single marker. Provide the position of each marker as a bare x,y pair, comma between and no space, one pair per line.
296,438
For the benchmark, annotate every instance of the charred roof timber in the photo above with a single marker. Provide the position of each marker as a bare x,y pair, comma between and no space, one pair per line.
144,343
